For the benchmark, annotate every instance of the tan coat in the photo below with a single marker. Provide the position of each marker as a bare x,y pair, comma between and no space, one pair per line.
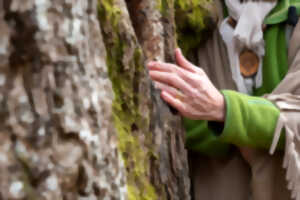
247,173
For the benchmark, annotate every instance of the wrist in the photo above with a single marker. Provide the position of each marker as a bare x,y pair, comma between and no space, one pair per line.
220,109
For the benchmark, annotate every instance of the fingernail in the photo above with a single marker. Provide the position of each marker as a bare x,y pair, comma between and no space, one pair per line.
150,74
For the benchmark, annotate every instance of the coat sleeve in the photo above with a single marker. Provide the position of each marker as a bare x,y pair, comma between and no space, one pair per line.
250,121
202,139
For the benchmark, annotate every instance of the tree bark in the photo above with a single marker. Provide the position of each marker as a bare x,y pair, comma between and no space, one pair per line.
80,117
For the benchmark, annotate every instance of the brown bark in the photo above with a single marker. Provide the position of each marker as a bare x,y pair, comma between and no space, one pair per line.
80,117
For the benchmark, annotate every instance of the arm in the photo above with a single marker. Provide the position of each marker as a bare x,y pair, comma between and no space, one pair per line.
250,121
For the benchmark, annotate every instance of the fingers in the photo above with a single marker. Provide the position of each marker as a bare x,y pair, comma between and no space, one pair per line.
174,92
167,67
160,66
184,63
173,101
172,80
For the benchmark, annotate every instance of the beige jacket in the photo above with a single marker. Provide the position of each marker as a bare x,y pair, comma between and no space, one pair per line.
248,173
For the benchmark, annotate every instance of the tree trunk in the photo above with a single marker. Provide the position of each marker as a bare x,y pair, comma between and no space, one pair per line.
80,117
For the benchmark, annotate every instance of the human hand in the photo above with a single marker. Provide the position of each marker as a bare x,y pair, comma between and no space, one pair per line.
188,89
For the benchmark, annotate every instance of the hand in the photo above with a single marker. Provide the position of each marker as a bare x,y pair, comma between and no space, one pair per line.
188,89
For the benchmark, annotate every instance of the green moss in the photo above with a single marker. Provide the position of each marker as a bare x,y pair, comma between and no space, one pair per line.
109,12
129,122
193,22
193,13
164,6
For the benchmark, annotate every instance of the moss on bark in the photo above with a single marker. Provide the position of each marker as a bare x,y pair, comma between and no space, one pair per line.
193,22
128,120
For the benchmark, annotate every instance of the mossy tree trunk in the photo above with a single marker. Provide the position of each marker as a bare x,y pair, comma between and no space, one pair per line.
80,117
150,136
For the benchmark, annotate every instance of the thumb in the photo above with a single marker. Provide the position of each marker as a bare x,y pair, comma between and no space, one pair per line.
182,61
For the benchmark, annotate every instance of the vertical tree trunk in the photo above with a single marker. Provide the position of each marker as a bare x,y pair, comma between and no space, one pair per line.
80,118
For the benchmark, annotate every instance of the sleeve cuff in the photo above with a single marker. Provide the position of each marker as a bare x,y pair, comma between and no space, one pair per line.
249,121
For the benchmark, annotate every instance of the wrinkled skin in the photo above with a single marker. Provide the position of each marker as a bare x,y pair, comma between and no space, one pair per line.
187,88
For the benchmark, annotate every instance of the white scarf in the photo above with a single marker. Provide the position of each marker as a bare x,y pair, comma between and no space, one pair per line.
247,34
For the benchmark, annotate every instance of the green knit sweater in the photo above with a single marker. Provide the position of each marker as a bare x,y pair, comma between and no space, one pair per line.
250,120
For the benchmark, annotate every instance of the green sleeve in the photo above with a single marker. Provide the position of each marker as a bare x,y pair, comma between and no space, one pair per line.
250,121
200,138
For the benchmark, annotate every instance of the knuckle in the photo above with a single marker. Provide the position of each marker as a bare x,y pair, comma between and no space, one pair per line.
195,78
183,109
177,69
201,82
171,77
193,94
200,71
173,69
182,73
175,79
170,66
164,65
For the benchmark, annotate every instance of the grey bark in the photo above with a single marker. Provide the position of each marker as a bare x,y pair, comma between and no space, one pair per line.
80,117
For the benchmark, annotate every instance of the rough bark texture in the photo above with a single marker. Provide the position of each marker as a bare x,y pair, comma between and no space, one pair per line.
80,117
151,138
57,136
